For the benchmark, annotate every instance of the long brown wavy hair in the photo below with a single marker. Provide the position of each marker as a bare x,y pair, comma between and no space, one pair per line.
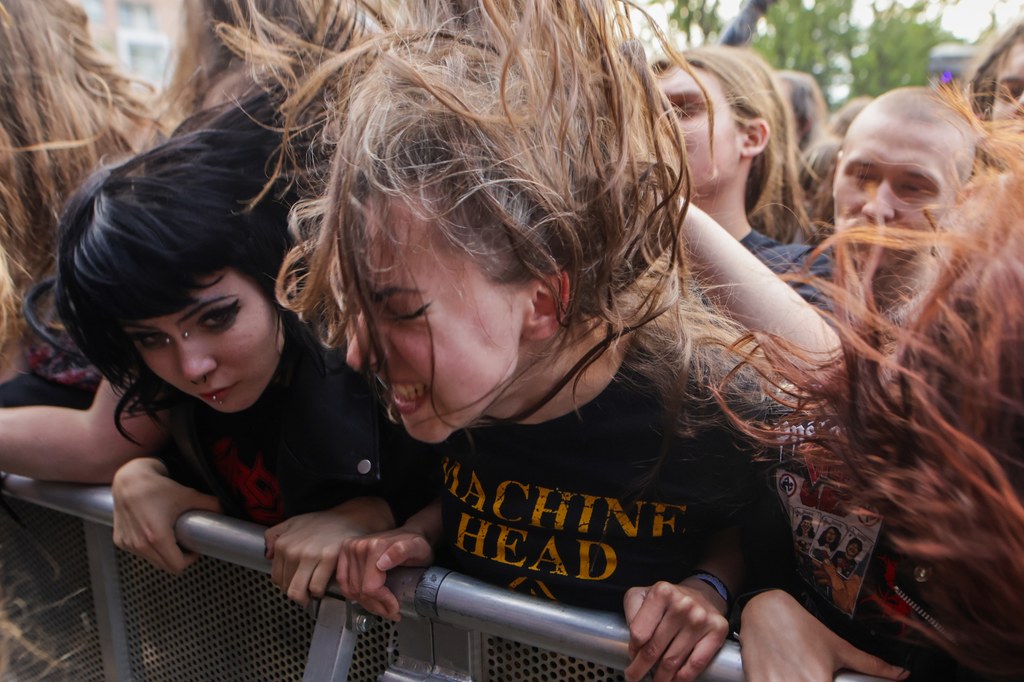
216,57
929,411
64,107
774,198
532,136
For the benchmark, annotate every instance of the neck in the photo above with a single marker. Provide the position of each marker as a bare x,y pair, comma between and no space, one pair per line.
727,206
548,368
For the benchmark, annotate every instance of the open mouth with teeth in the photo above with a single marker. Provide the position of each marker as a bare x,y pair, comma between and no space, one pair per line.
408,397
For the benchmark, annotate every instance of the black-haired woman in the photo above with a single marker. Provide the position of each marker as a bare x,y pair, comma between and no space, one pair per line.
166,275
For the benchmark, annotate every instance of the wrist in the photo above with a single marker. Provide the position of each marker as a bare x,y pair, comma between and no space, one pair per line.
712,586
366,515
426,522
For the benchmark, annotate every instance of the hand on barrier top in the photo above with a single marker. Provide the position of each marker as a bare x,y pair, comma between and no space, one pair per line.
364,562
775,627
146,505
674,632
304,549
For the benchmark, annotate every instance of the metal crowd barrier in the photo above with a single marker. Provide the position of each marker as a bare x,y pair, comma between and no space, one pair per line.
83,610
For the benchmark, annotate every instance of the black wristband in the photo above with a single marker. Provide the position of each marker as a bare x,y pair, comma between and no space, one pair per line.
717,584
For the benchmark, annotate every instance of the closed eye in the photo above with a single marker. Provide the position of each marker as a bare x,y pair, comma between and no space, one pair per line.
916,189
419,312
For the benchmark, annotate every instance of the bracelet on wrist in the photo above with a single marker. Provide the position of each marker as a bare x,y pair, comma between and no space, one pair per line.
715,583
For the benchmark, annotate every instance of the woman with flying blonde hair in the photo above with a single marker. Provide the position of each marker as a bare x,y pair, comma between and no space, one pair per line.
505,246
63,108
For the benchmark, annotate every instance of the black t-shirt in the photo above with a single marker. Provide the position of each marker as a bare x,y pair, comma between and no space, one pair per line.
784,259
579,509
243,452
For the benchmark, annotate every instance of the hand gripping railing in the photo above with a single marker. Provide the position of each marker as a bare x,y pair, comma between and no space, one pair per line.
435,593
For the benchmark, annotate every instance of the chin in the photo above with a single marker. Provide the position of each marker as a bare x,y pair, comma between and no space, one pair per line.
432,430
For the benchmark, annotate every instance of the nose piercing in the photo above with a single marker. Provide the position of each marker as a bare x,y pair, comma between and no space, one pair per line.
184,335
201,381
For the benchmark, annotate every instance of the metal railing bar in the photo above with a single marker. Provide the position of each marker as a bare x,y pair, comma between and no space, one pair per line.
436,593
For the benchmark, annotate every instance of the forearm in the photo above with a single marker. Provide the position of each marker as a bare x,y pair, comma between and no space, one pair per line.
427,522
723,560
84,446
748,291
366,514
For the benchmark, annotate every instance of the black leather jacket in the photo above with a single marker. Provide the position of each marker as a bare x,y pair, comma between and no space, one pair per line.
335,444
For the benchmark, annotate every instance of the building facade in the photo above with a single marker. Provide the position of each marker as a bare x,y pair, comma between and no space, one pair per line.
140,33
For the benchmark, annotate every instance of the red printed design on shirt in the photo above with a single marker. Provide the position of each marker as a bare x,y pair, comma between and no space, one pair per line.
256,487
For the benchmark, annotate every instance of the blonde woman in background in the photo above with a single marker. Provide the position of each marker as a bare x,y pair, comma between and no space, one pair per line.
64,107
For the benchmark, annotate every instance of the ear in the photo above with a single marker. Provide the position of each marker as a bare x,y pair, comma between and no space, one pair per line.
754,137
549,300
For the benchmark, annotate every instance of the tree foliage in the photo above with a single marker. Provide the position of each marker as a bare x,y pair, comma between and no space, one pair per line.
813,36
895,48
821,38
696,21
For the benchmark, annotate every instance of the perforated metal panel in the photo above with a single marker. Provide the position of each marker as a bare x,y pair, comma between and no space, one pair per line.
376,649
44,573
218,621
508,661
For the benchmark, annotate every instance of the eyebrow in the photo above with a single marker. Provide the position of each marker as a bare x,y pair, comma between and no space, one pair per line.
191,312
200,306
860,163
686,97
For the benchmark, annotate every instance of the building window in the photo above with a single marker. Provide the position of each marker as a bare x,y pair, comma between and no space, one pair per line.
148,60
95,10
136,16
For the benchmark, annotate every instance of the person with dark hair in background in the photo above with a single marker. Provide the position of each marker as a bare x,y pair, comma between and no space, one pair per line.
996,84
807,103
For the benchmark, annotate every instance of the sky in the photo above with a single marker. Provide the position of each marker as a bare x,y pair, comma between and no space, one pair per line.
968,18
965,19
